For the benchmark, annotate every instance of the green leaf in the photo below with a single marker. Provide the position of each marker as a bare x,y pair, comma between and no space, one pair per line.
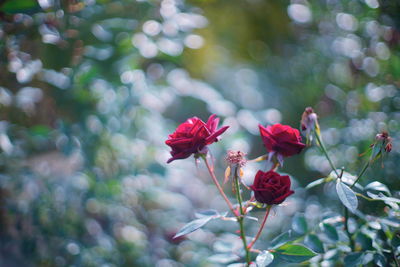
206,213
40,130
380,260
282,239
330,232
313,242
377,186
264,258
315,183
347,196
353,259
299,224
193,226
19,6
392,222
365,241
395,240
294,253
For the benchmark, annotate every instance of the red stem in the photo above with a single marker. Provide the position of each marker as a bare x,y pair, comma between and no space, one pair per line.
261,228
221,191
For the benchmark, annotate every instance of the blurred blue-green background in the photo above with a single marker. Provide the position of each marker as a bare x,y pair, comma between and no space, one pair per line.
90,90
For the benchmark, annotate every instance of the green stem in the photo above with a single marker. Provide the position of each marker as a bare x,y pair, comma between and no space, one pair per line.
323,149
367,198
221,191
361,174
241,217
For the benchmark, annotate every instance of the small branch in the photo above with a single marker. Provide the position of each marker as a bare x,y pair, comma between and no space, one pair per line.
368,198
221,191
261,227
361,174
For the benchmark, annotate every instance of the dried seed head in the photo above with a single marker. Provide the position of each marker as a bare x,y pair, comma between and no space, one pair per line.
236,158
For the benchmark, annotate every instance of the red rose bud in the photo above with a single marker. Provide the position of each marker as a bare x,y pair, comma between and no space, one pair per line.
382,144
309,120
271,188
386,141
192,137
282,140
309,123
388,147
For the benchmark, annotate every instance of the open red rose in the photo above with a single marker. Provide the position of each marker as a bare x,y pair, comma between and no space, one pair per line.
271,188
193,136
281,139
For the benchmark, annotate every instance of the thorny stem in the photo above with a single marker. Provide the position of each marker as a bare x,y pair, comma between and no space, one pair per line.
323,149
221,191
241,217
261,227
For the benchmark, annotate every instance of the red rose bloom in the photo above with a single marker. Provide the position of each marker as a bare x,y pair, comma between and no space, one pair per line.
281,139
271,188
193,136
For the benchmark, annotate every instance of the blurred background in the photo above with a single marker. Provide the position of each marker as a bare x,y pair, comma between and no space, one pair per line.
90,90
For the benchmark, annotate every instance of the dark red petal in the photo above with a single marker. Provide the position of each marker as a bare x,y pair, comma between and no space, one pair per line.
258,178
212,123
178,141
181,155
212,138
282,198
